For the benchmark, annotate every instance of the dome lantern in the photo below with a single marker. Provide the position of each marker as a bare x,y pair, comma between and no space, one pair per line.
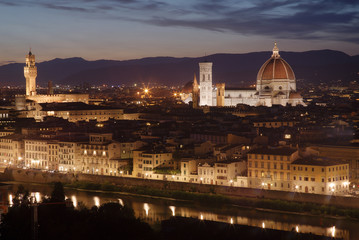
275,51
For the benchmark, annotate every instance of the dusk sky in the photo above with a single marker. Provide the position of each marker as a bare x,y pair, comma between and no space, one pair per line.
127,29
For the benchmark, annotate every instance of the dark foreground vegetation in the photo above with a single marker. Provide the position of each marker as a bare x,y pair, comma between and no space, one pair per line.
179,228
218,200
58,219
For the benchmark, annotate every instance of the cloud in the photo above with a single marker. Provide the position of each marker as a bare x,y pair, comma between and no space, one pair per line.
287,19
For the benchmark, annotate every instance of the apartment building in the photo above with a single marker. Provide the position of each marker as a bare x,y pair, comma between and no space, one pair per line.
36,153
144,161
12,150
320,175
221,173
269,168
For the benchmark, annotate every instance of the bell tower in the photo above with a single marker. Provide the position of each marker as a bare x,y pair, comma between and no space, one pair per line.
205,83
30,73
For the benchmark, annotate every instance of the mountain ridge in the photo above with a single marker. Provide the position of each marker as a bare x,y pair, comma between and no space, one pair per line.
231,68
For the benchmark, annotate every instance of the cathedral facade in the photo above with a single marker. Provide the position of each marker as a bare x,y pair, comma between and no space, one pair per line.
275,85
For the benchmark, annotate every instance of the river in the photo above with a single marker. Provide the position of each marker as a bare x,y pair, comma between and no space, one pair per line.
154,210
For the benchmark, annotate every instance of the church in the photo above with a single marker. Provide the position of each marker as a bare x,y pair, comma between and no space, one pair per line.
275,85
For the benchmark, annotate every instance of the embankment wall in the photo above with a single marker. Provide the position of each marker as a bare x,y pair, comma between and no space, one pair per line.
22,175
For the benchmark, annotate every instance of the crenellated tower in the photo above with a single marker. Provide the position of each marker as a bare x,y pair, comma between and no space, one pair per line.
30,73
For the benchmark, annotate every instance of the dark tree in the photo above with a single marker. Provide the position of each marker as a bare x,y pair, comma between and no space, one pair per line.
58,194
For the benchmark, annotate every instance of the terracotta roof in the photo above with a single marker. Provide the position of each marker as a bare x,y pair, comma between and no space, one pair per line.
275,68
295,95
317,161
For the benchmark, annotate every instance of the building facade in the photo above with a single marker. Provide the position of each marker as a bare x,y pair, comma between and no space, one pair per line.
275,85
270,168
320,176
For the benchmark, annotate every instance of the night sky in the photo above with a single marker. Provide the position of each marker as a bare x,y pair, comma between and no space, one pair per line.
127,29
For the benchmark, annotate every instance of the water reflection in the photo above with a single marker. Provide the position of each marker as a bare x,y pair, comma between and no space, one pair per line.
155,210
333,231
173,210
146,208
96,201
74,200
10,200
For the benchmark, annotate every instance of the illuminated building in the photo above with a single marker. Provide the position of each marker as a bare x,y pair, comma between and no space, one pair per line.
320,176
270,168
30,73
275,85
73,112
144,162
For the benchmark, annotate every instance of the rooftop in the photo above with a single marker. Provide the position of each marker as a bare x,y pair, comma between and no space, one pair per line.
274,151
71,106
317,161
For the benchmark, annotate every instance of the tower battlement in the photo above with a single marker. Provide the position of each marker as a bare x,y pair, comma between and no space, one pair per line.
30,73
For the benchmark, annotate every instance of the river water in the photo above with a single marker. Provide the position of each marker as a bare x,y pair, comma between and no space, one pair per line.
154,210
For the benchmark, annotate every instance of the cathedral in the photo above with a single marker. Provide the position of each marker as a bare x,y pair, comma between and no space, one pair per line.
275,85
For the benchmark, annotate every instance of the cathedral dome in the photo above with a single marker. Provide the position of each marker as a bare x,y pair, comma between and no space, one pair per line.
275,68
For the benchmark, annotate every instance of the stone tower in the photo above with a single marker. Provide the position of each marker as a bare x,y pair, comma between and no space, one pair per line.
220,94
205,83
195,92
30,73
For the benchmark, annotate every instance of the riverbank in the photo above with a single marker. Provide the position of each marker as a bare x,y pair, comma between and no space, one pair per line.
220,200
319,205
154,210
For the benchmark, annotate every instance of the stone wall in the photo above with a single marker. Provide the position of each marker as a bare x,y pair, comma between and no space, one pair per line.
21,175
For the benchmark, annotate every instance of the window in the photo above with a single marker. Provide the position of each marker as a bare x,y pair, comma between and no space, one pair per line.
262,164
306,178
312,169
294,168
322,169
312,179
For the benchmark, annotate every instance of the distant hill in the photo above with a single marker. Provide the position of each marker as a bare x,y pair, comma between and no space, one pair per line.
233,69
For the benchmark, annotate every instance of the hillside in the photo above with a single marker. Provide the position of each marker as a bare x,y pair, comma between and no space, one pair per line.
233,69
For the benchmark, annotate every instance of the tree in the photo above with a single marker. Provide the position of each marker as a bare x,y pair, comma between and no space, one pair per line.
58,194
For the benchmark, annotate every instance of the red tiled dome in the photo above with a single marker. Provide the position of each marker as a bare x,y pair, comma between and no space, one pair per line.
275,68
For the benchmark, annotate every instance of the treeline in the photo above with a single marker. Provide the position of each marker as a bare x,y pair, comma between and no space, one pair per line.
57,219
